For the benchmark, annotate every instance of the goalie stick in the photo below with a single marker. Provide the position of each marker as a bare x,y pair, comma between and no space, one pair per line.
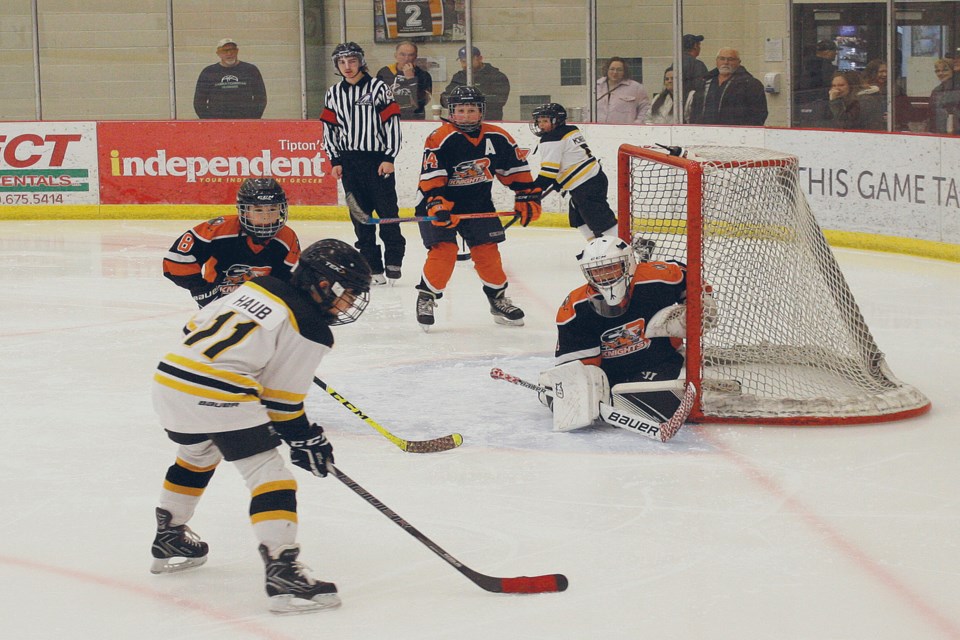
549,583
443,443
617,417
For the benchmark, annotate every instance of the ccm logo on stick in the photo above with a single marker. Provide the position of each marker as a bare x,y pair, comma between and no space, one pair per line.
634,423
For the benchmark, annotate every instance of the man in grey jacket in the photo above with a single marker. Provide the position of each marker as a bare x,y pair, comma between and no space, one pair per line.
487,79
729,95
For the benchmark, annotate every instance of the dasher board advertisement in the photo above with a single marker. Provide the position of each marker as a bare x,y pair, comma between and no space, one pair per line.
204,162
48,163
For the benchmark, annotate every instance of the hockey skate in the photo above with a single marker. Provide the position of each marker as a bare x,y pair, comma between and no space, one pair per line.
291,587
503,310
426,302
176,548
378,279
393,274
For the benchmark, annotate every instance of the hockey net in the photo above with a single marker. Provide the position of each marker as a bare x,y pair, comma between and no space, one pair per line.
788,343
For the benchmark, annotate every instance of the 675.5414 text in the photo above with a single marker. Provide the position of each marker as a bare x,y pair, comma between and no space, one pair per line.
31,198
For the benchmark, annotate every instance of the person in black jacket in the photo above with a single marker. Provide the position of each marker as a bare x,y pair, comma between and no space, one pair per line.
230,89
729,95
487,79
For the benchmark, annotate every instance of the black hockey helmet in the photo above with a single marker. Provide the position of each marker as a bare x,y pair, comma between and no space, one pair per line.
465,94
261,192
552,110
348,50
338,275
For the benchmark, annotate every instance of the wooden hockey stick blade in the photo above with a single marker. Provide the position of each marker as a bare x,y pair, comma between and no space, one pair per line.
461,216
443,443
549,583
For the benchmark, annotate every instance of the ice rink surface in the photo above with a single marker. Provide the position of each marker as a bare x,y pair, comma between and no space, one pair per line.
727,532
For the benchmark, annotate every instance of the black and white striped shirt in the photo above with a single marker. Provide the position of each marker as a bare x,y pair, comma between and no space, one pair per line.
360,117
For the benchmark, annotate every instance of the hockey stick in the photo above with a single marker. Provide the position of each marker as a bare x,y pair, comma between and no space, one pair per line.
443,443
549,583
461,216
617,417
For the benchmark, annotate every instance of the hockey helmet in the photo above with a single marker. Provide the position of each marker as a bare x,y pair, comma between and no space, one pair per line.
552,110
348,50
334,273
465,94
254,195
608,264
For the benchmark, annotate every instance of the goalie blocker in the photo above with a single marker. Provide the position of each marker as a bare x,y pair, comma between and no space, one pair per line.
580,395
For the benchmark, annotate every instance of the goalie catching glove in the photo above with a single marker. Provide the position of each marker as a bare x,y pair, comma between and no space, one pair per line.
526,205
440,208
310,449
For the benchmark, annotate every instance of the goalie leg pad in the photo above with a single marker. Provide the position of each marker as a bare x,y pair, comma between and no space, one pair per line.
656,400
578,391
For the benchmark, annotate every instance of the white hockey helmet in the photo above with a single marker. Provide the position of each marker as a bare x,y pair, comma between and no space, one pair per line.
608,265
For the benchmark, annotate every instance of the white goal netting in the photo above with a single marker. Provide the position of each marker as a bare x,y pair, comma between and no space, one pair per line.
789,343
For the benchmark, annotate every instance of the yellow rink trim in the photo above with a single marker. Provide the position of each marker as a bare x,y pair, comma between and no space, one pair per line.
848,239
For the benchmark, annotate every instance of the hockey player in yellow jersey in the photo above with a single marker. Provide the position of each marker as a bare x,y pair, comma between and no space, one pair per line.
567,165
234,389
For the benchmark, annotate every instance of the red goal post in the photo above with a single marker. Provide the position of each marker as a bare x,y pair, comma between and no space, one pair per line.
787,343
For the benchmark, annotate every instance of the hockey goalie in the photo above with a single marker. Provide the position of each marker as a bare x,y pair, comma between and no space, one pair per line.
619,339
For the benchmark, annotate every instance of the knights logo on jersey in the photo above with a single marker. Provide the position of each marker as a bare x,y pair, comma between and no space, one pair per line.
237,274
624,340
471,172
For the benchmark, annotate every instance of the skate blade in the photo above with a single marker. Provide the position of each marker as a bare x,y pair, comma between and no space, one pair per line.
507,322
175,565
426,327
285,605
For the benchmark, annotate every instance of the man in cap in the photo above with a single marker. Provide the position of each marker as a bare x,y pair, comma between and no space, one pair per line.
230,89
693,69
487,79
817,74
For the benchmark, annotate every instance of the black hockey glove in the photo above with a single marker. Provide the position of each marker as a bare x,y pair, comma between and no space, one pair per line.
312,452
206,293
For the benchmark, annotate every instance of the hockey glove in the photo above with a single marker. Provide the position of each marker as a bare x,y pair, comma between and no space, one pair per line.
440,207
312,452
206,293
526,205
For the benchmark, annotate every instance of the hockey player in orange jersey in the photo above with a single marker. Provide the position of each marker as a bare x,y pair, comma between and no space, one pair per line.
217,256
461,159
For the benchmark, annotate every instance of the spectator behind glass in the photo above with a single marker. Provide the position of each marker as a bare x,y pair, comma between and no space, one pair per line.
487,79
661,111
729,95
817,73
411,85
692,68
843,109
945,97
621,100
230,89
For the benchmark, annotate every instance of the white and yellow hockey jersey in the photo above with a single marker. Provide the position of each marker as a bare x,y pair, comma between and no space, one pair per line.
246,360
565,159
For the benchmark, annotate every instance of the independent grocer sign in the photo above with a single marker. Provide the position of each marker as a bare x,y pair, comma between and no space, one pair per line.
48,163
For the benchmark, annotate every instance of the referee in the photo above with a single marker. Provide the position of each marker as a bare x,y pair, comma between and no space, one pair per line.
362,137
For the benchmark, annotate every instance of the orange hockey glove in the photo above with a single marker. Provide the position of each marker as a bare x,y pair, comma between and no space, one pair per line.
526,204
440,207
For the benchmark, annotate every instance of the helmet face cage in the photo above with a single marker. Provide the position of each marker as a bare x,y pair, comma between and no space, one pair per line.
348,50
608,265
465,95
346,274
552,110
261,192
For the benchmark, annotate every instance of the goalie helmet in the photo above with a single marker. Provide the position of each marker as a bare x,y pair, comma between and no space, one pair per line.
337,277
348,50
465,94
256,198
608,265
552,110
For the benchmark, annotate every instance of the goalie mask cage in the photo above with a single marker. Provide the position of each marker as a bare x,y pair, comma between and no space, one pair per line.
788,344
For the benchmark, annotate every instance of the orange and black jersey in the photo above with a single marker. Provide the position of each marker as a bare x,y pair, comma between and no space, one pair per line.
220,251
619,345
462,168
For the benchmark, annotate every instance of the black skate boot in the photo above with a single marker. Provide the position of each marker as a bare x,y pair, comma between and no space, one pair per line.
291,587
392,273
176,548
503,311
426,301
